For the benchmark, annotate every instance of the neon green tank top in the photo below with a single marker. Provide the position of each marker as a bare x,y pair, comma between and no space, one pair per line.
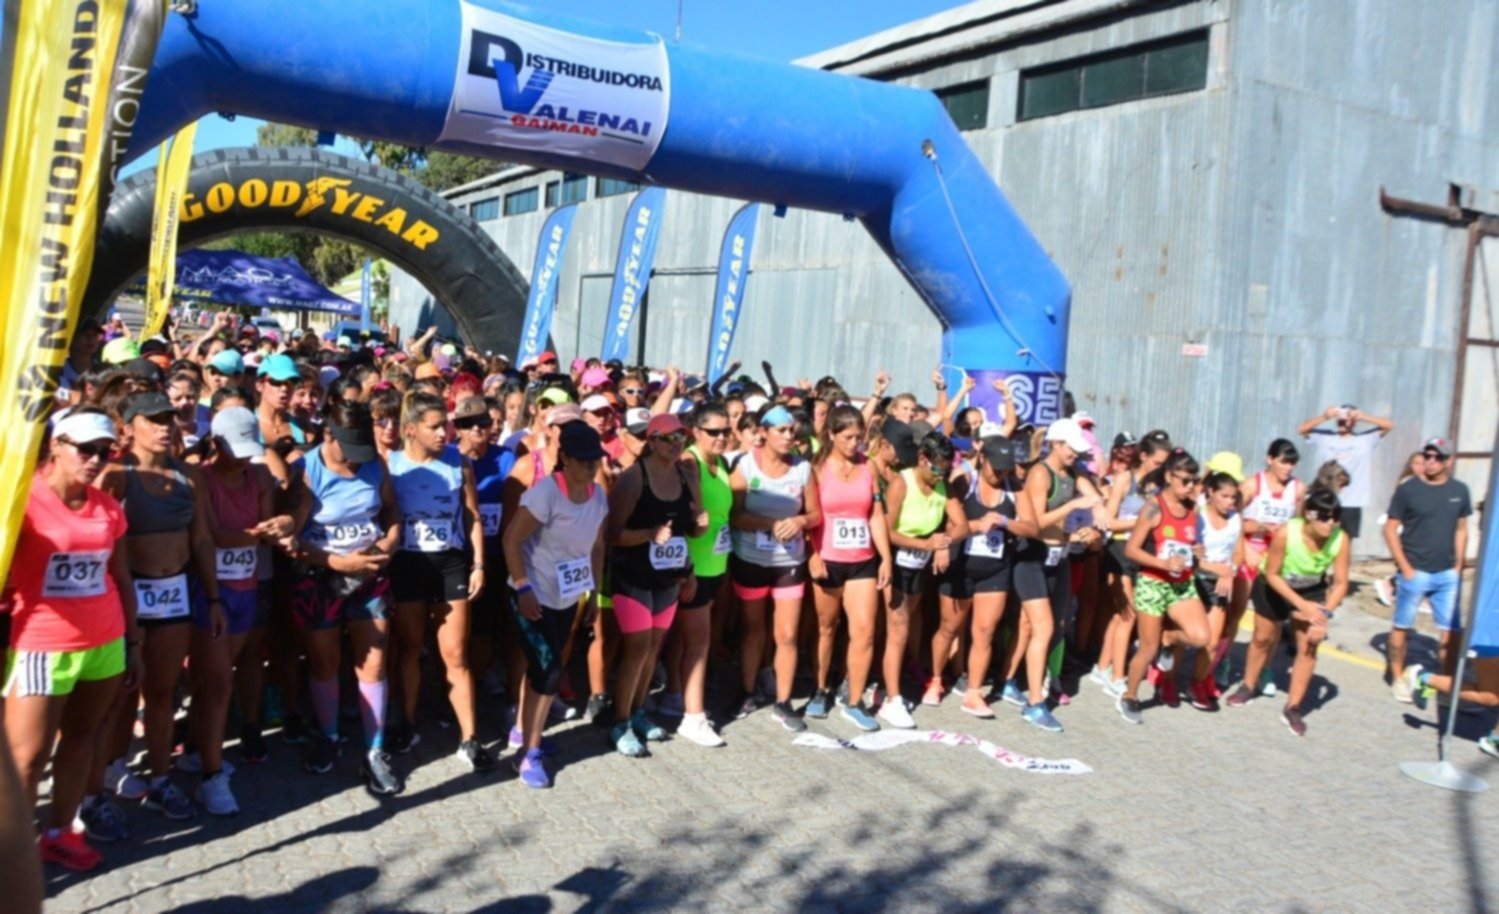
709,557
921,515
1303,568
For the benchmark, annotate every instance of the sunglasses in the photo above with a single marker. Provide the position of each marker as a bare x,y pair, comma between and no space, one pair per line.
675,439
89,451
632,391
1432,455
1187,479
1321,518
715,432
275,383
470,424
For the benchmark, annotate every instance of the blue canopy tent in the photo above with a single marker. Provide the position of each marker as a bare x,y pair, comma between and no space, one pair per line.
237,279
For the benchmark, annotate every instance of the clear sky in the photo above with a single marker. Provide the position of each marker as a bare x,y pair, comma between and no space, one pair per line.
776,29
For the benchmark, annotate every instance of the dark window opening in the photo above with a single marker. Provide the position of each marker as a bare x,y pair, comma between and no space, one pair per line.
1176,64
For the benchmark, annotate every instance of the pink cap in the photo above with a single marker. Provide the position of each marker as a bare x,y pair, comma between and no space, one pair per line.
596,378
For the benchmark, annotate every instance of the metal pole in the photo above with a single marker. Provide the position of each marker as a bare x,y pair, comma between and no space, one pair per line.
1442,773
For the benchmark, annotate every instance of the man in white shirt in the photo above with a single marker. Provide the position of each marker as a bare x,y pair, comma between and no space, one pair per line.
1353,448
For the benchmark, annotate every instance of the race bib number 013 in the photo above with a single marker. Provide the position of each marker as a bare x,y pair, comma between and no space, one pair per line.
850,533
76,574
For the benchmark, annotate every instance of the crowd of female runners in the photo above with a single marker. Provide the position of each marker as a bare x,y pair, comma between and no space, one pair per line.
270,528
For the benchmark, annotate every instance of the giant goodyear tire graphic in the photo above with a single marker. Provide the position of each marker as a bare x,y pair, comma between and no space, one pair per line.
290,189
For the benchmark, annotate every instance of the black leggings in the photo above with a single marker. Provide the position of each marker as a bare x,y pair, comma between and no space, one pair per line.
542,642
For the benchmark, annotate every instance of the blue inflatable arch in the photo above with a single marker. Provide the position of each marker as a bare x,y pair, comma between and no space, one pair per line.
493,79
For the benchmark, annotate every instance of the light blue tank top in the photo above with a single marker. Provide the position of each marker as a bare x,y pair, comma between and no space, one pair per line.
431,498
345,510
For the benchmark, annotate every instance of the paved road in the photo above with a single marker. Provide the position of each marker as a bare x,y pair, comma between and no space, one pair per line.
1190,812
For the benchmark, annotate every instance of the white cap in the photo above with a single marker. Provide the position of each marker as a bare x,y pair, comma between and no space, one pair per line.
595,403
991,430
754,403
1069,433
84,428
239,431
636,420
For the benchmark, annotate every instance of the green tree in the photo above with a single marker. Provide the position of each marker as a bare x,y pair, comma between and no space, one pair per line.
447,170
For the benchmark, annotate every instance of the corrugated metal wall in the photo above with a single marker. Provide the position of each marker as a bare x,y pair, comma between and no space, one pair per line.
1243,218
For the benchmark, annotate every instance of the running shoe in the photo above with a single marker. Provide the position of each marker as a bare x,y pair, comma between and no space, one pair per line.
1384,592
294,730
1166,661
561,711
647,729
533,770
1039,716
1410,686
670,705
787,717
959,685
1267,682
695,728
124,783
1100,676
1054,689
252,747
1203,698
1129,709
169,801
1489,745
69,849
1242,697
215,795
103,820
932,697
750,705
192,763
1013,695
401,738
517,739
379,778
597,706
982,711
1400,688
624,739
321,755
1116,688
473,755
859,716
895,713
842,697
1169,692
820,705
1291,717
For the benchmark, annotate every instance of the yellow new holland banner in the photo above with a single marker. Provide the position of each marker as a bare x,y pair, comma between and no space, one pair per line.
70,92
173,162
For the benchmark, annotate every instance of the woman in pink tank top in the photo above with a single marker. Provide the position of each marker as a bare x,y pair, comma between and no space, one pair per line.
850,561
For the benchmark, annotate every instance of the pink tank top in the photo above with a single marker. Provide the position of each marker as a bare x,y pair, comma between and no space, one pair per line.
235,509
845,534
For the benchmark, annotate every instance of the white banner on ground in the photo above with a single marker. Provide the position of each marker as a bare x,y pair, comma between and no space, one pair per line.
525,86
890,739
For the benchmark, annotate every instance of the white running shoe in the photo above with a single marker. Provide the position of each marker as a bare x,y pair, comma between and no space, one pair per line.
125,783
1100,677
1400,689
1384,591
695,727
216,797
894,713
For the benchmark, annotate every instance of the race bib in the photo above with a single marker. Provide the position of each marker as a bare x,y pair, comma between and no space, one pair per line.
670,555
1174,548
76,574
237,564
490,516
913,559
427,534
574,579
164,598
342,539
1054,555
989,545
723,544
765,541
1274,513
850,533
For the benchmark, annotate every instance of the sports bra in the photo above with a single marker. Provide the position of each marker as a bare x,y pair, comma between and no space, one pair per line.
148,512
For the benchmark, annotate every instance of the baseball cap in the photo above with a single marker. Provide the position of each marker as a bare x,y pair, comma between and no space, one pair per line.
596,377
664,424
84,428
470,408
998,453
580,442
357,442
529,362
1083,419
547,356
555,396
1125,439
565,413
636,421
693,382
777,417
578,364
900,437
1069,433
150,403
427,370
596,403
279,367
120,350
345,343
755,402
1226,462
1441,445
144,369
920,429
328,374
991,430
239,431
